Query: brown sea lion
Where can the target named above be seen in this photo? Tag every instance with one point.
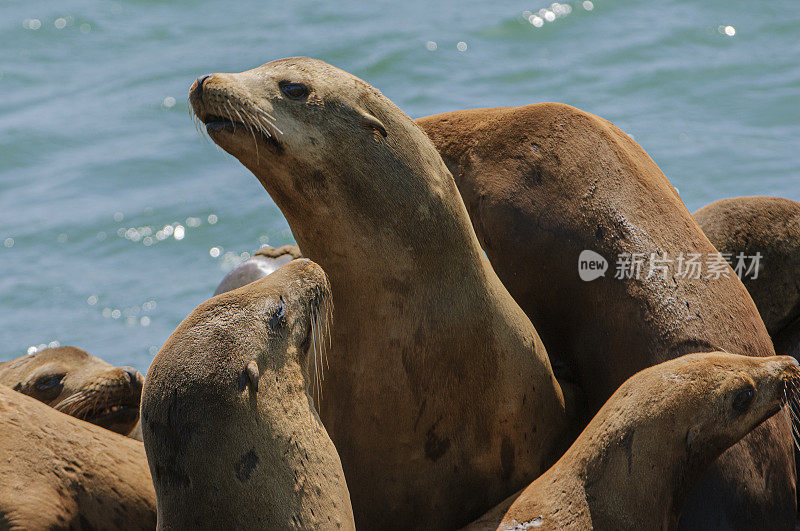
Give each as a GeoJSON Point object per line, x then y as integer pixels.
{"type": "Point", "coordinates": [636, 461]}
{"type": "Point", "coordinates": [767, 227]}
{"type": "Point", "coordinates": [545, 182]}
{"type": "Point", "coordinates": [439, 397]}
{"type": "Point", "coordinates": [76, 383]}
{"type": "Point", "coordinates": [231, 433]}
{"type": "Point", "coordinates": [262, 263]}
{"type": "Point", "coordinates": [58, 472]}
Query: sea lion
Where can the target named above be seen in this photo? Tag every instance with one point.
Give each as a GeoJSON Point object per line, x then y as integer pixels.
{"type": "Point", "coordinates": [543, 183]}
{"type": "Point", "coordinates": [76, 383]}
{"type": "Point", "coordinates": [639, 457]}
{"type": "Point", "coordinates": [59, 472]}
{"type": "Point", "coordinates": [262, 263]}
{"type": "Point", "coordinates": [231, 433]}
{"type": "Point", "coordinates": [767, 227]}
{"type": "Point", "coordinates": [439, 397]}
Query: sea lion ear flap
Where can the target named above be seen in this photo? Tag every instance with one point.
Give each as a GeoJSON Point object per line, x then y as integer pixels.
{"type": "Point", "coordinates": [253, 375]}
{"type": "Point", "coordinates": [371, 121]}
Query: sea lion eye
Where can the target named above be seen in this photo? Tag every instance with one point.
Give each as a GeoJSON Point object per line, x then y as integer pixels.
{"type": "Point", "coordinates": [743, 399]}
{"type": "Point", "coordinates": [47, 387]}
{"type": "Point", "coordinates": [45, 383]}
{"type": "Point", "coordinates": [277, 320]}
{"type": "Point", "coordinates": [294, 91]}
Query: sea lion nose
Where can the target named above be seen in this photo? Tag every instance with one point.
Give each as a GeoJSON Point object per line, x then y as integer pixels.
{"type": "Point", "coordinates": [199, 84]}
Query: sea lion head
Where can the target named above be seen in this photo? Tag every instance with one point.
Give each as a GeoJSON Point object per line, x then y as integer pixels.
{"type": "Point", "coordinates": [696, 406]}
{"type": "Point", "coordinates": [642, 454]}
{"type": "Point", "coordinates": [276, 321]}
{"type": "Point", "coordinates": [322, 142]}
{"type": "Point", "coordinates": [76, 383]}
{"type": "Point", "coordinates": [227, 407]}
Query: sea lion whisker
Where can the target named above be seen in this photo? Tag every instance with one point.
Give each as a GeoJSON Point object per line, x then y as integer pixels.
{"type": "Point", "coordinates": [228, 112]}
{"type": "Point", "coordinates": [70, 400]}
{"type": "Point", "coordinates": [263, 125]}
{"type": "Point", "coordinates": [269, 118]}
{"type": "Point", "coordinates": [265, 113]}
{"type": "Point", "coordinates": [791, 426]}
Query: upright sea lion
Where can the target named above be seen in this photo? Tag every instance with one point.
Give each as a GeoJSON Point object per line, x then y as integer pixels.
{"type": "Point", "coordinates": [231, 433]}
{"type": "Point", "coordinates": [636, 461]}
{"type": "Point", "coordinates": [440, 397]}
{"type": "Point", "coordinates": [57, 472]}
{"type": "Point", "coordinates": [761, 235]}
{"type": "Point", "coordinates": [78, 384]}
{"type": "Point", "coordinates": [262, 263]}
{"type": "Point", "coordinates": [543, 183]}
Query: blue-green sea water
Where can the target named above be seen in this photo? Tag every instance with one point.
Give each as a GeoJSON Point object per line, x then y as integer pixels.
{"type": "Point", "coordinates": [117, 218]}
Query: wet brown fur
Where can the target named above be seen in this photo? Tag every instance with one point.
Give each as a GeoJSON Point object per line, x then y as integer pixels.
{"type": "Point", "coordinates": [58, 472]}
{"type": "Point", "coordinates": [544, 182]}
{"type": "Point", "coordinates": [231, 433]}
{"type": "Point", "coordinates": [440, 397]}
{"type": "Point", "coordinates": [771, 227]}
{"type": "Point", "coordinates": [79, 384]}
{"type": "Point", "coordinates": [636, 461]}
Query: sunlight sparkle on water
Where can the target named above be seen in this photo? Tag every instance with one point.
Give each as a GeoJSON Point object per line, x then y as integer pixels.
{"type": "Point", "coordinates": [547, 14]}
{"type": "Point", "coordinates": [32, 24]}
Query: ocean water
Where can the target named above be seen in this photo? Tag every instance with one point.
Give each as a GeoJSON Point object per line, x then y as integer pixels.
{"type": "Point", "coordinates": [117, 218]}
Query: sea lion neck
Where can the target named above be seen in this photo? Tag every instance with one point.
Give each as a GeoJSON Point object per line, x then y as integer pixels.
{"type": "Point", "coordinates": [422, 223]}
{"type": "Point", "coordinates": [626, 489]}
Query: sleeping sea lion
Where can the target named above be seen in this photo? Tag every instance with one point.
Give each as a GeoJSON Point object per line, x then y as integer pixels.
{"type": "Point", "coordinates": [76, 383]}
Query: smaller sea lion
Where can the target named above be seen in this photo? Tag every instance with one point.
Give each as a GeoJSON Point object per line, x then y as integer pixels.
{"type": "Point", "coordinates": [81, 385]}
{"type": "Point", "coordinates": [636, 461]}
{"type": "Point", "coordinates": [57, 472]}
{"type": "Point", "coordinates": [229, 425]}
{"type": "Point", "coordinates": [769, 227]}
{"type": "Point", "coordinates": [262, 263]}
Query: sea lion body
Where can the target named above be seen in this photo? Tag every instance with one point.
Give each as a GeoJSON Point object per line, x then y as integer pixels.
{"type": "Point", "coordinates": [263, 262]}
{"type": "Point", "coordinates": [637, 460]}
{"type": "Point", "coordinates": [58, 472]}
{"type": "Point", "coordinates": [439, 397]}
{"type": "Point", "coordinates": [231, 433]}
{"type": "Point", "coordinates": [545, 182]}
{"type": "Point", "coordinates": [767, 227]}
{"type": "Point", "coordinates": [76, 383]}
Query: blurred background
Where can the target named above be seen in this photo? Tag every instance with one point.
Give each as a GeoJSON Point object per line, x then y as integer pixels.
{"type": "Point", "coordinates": [117, 218]}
